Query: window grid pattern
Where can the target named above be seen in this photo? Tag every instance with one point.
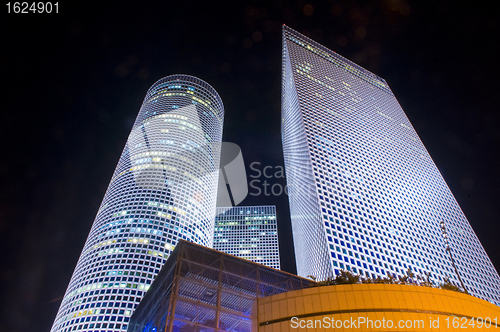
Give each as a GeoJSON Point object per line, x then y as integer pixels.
{"type": "Point", "coordinates": [381, 196]}
{"type": "Point", "coordinates": [311, 249]}
{"type": "Point", "coordinates": [164, 189]}
{"type": "Point", "coordinates": [249, 232]}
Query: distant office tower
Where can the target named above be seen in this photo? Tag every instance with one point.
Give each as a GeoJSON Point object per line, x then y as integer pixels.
{"type": "Point", "coordinates": [164, 189]}
{"type": "Point", "coordinates": [364, 193]}
{"type": "Point", "coordinates": [249, 232]}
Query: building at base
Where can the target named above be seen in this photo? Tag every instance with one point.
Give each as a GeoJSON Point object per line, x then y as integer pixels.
{"type": "Point", "coordinates": [204, 289]}
{"type": "Point", "coordinates": [201, 289]}
{"type": "Point", "coordinates": [373, 307]}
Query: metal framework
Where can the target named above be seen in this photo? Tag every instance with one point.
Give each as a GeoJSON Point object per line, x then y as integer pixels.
{"type": "Point", "coordinates": [201, 288]}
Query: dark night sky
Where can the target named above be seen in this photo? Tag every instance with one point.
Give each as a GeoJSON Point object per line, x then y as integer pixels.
{"type": "Point", "coordinates": [73, 82]}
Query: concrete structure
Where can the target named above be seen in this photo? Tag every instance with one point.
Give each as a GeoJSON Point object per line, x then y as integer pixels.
{"type": "Point", "coordinates": [201, 289]}
{"type": "Point", "coordinates": [374, 307]}
{"type": "Point", "coordinates": [364, 193]}
{"type": "Point", "coordinates": [249, 232]}
{"type": "Point", "coordinates": [164, 189]}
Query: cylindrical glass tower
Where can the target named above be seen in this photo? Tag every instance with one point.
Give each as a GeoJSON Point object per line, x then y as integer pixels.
{"type": "Point", "coordinates": [164, 189]}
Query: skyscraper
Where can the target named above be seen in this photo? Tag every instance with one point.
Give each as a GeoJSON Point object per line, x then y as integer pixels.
{"type": "Point", "coordinates": [364, 193]}
{"type": "Point", "coordinates": [164, 189]}
{"type": "Point", "coordinates": [249, 232]}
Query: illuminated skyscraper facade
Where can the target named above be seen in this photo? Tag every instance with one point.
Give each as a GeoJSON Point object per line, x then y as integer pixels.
{"type": "Point", "coordinates": [364, 193]}
{"type": "Point", "coordinates": [164, 189]}
{"type": "Point", "coordinates": [249, 232]}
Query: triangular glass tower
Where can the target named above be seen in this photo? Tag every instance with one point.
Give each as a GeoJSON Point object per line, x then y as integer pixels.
{"type": "Point", "coordinates": [364, 193]}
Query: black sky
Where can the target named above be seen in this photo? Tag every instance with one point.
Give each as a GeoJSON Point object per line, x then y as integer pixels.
{"type": "Point", "coordinates": [73, 82]}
